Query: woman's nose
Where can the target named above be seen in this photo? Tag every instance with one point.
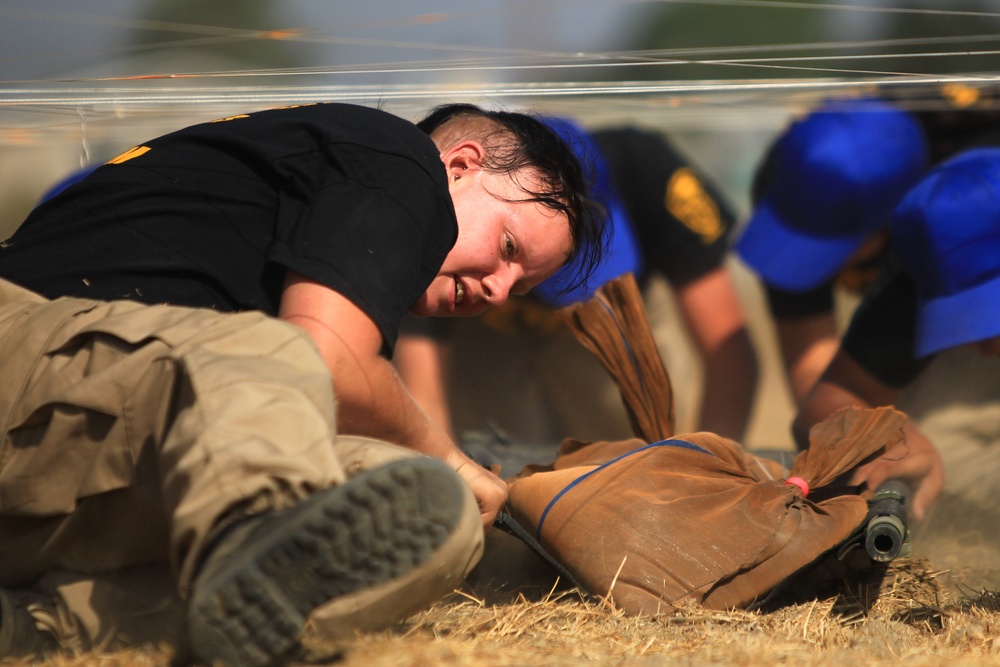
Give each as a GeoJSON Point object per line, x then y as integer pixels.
{"type": "Point", "coordinates": [496, 289]}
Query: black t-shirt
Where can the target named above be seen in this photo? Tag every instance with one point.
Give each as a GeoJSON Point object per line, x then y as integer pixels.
{"type": "Point", "coordinates": [882, 333]}
{"type": "Point", "coordinates": [682, 221]}
{"type": "Point", "coordinates": [795, 305]}
{"type": "Point", "coordinates": [215, 214]}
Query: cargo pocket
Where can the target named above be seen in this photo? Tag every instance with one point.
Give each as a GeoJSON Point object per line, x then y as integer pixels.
{"type": "Point", "coordinates": [64, 437]}
{"type": "Point", "coordinates": [61, 454]}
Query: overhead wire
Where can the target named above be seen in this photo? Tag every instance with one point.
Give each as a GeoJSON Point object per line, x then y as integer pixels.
{"type": "Point", "coordinates": [478, 71]}
{"type": "Point", "coordinates": [414, 71]}
{"type": "Point", "coordinates": [216, 34]}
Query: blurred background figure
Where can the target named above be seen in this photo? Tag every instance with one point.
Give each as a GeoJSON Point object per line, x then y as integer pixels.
{"type": "Point", "coordinates": [940, 290]}
{"type": "Point", "coordinates": [823, 197]}
{"type": "Point", "coordinates": [522, 370]}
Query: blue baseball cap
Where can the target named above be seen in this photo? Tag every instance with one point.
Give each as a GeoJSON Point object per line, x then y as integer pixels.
{"type": "Point", "coordinates": [834, 179]}
{"type": "Point", "coordinates": [947, 234]}
{"type": "Point", "coordinates": [622, 254]}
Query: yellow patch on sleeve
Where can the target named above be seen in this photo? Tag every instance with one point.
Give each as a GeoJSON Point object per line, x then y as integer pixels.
{"type": "Point", "coordinates": [229, 118]}
{"type": "Point", "coordinates": [960, 95]}
{"type": "Point", "coordinates": [129, 154]}
{"type": "Point", "coordinates": [298, 106]}
{"type": "Point", "coordinates": [687, 201]}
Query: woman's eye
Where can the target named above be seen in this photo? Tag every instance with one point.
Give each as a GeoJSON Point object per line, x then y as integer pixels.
{"type": "Point", "coordinates": [510, 248]}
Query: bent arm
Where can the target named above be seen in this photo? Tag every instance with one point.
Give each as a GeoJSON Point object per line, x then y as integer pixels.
{"type": "Point", "coordinates": [423, 364]}
{"type": "Point", "coordinates": [807, 346]}
{"type": "Point", "coordinates": [714, 316]}
{"type": "Point", "coordinates": [846, 383]}
{"type": "Point", "coordinates": [371, 399]}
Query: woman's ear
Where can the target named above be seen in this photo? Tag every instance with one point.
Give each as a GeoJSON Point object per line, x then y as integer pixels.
{"type": "Point", "coordinates": [463, 158]}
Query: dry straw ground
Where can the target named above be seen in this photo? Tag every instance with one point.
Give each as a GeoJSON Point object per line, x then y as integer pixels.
{"type": "Point", "coordinates": [942, 609]}
{"type": "Point", "coordinates": [910, 618]}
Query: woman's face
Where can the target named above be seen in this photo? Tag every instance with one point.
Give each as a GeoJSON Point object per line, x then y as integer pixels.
{"type": "Point", "coordinates": [505, 245]}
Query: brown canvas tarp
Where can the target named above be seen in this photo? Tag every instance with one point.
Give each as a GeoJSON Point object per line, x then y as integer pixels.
{"type": "Point", "coordinates": [695, 517]}
{"type": "Point", "coordinates": [659, 519]}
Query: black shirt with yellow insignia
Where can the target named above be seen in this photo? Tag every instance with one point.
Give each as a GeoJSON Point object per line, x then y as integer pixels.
{"type": "Point", "coordinates": [682, 221]}
{"type": "Point", "coordinates": [215, 214]}
{"type": "Point", "coordinates": [881, 337]}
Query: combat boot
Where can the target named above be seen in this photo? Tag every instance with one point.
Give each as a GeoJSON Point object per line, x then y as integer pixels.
{"type": "Point", "coordinates": [23, 632]}
{"type": "Point", "coordinates": [362, 555]}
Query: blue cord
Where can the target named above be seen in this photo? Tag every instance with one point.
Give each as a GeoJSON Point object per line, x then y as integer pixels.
{"type": "Point", "coordinates": [671, 442]}
{"type": "Point", "coordinates": [628, 348]}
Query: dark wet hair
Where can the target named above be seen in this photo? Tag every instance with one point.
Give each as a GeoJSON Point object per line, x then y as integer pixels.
{"type": "Point", "coordinates": [565, 185]}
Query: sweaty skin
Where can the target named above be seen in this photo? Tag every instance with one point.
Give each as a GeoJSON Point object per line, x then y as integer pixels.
{"type": "Point", "coordinates": [713, 314]}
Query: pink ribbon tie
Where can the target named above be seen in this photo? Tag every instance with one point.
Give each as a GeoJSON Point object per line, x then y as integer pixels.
{"type": "Point", "coordinates": [801, 483]}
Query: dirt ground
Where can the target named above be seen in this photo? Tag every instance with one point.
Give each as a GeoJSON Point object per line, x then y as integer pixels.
{"type": "Point", "coordinates": [907, 617]}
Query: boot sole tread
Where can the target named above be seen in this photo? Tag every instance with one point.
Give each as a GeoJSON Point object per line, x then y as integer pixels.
{"type": "Point", "coordinates": [380, 525]}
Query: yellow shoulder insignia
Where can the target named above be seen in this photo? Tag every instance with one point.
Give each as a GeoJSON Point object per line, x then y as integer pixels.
{"type": "Point", "coordinates": [960, 95]}
{"type": "Point", "coordinates": [687, 201]}
{"type": "Point", "coordinates": [297, 106]}
{"type": "Point", "coordinates": [228, 118]}
{"type": "Point", "coordinates": [129, 154]}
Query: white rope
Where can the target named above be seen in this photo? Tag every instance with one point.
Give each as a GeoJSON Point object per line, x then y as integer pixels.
{"type": "Point", "coordinates": [97, 96]}
{"type": "Point", "coordinates": [540, 59]}
{"type": "Point", "coordinates": [39, 104]}
{"type": "Point", "coordinates": [588, 60]}
{"type": "Point", "coordinates": [818, 6]}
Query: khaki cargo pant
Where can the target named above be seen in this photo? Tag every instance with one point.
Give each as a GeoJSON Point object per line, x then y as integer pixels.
{"type": "Point", "coordinates": [128, 430]}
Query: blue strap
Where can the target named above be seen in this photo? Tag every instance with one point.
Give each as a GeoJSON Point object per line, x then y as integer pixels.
{"type": "Point", "coordinates": [636, 367]}
{"type": "Point", "coordinates": [671, 442]}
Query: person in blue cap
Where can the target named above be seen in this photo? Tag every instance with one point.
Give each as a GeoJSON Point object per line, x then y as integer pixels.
{"type": "Point", "coordinates": [947, 232]}
{"type": "Point", "coordinates": [823, 198]}
{"type": "Point", "coordinates": [667, 220]}
{"type": "Point", "coordinates": [942, 291]}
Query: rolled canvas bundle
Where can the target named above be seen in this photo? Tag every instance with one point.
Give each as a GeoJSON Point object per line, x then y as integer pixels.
{"type": "Point", "coordinates": [666, 518]}
{"type": "Point", "coordinates": [694, 517]}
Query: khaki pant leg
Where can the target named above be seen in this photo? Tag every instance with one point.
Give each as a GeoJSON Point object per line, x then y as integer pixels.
{"type": "Point", "coordinates": [254, 420]}
{"type": "Point", "coordinates": [143, 600]}
{"type": "Point", "coordinates": [130, 429]}
{"type": "Point", "coordinates": [358, 453]}
{"type": "Point", "coordinates": [111, 611]}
